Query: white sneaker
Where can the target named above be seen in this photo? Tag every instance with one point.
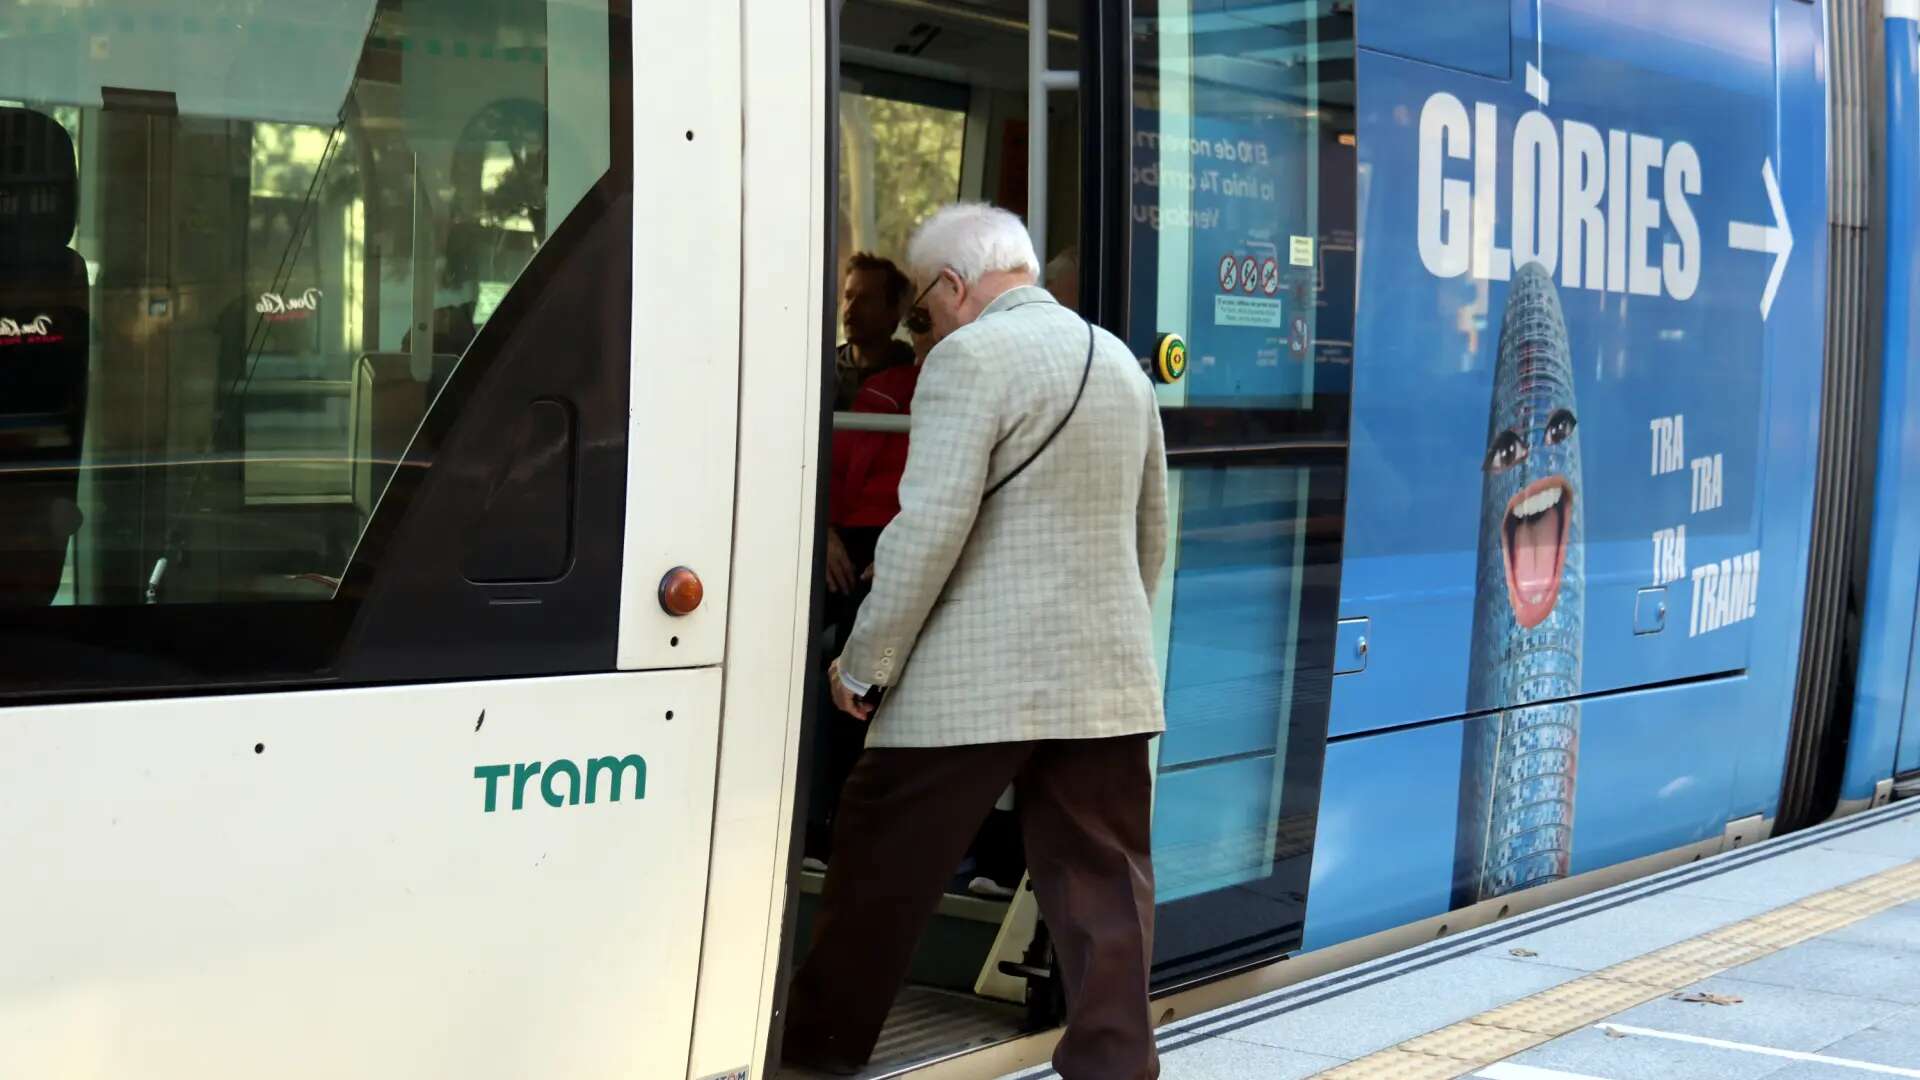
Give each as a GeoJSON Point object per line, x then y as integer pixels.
{"type": "Point", "coordinates": [814, 865]}
{"type": "Point", "coordinates": [989, 888]}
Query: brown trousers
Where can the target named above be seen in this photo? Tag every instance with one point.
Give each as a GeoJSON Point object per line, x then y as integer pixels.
{"type": "Point", "coordinates": [906, 817]}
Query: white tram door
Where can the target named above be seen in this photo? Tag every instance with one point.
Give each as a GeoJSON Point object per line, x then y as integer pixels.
{"type": "Point", "coordinates": [368, 391]}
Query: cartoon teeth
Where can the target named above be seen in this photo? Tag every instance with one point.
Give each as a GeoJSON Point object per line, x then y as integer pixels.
{"type": "Point", "coordinates": [1538, 503]}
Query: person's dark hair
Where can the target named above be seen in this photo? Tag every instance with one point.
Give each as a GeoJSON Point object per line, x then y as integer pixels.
{"type": "Point", "coordinates": [897, 283]}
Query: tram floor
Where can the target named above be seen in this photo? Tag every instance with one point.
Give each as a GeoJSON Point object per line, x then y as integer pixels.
{"type": "Point", "coordinates": [934, 1016]}
{"type": "Point", "coordinates": [1795, 959]}
{"type": "Point", "coordinates": [926, 1023]}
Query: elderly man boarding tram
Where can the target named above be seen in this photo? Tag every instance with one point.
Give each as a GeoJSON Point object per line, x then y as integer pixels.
{"type": "Point", "coordinates": [1008, 630]}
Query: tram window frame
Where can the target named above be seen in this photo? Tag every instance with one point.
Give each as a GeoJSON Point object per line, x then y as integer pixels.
{"type": "Point", "coordinates": [915, 89]}
{"type": "Point", "coordinates": [400, 610]}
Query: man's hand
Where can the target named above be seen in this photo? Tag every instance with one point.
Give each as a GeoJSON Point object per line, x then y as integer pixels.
{"type": "Point", "coordinates": [840, 572]}
{"type": "Point", "coordinates": [843, 695]}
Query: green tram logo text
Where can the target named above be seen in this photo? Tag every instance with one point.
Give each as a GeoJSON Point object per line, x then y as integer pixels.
{"type": "Point", "coordinates": [615, 769]}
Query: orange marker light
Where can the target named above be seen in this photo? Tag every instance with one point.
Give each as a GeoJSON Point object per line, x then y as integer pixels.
{"type": "Point", "coordinates": [681, 591]}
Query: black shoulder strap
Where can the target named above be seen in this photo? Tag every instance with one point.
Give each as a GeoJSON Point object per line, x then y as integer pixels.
{"type": "Point", "coordinates": [1048, 441]}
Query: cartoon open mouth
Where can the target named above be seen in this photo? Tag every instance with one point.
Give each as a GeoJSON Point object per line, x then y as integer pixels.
{"type": "Point", "coordinates": [1533, 539]}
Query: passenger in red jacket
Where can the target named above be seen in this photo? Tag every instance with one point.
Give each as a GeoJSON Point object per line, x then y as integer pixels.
{"type": "Point", "coordinates": [867, 466]}
{"type": "Point", "coordinates": [862, 497]}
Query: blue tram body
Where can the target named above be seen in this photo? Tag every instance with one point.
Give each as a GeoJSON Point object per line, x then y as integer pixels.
{"type": "Point", "coordinates": [1664, 176]}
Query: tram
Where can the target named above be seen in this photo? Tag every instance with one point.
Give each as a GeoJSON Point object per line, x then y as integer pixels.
{"type": "Point", "coordinates": [415, 430]}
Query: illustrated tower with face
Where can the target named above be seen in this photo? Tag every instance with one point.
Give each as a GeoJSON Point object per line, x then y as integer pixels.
{"type": "Point", "coordinates": [1521, 753]}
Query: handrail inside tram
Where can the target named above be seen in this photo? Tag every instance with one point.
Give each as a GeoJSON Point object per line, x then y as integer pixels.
{"type": "Point", "coordinates": [867, 421]}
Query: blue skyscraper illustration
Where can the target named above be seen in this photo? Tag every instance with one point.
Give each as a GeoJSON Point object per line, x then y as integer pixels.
{"type": "Point", "coordinates": [1521, 749]}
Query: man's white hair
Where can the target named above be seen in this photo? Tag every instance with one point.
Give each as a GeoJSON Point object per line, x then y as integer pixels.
{"type": "Point", "coordinates": [973, 240]}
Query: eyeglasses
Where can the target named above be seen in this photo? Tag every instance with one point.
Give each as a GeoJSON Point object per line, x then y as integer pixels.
{"type": "Point", "coordinates": [919, 319]}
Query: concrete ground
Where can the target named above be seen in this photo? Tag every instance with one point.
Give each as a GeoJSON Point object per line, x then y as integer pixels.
{"type": "Point", "coordinates": [1797, 959]}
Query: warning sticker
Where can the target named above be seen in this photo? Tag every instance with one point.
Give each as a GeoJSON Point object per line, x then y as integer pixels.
{"type": "Point", "coordinates": [1247, 311]}
{"type": "Point", "coordinates": [1301, 251]}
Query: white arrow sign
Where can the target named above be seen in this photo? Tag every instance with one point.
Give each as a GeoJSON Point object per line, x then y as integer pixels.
{"type": "Point", "coordinates": [1776, 238]}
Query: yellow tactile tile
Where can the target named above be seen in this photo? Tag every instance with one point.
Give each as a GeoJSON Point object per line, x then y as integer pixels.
{"type": "Point", "coordinates": [1708, 953]}
{"type": "Point", "coordinates": [1399, 1064]}
{"type": "Point", "coordinates": [1781, 927]}
{"type": "Point", "coordinates": [1846, 902]}
{"type": "Point", "coordinates": [1902, 882]}
{"type": "Point", "coordinates": [1474, 1043]}
{"type": "Point", "coordinates": [1582, 1001]}
{"type": "Point", "coordinates": [1658, 971]}
{"type": "Point", "coordinates": [1466, 1047]}
{"type": "Point", "coordinates": [1877, 890]}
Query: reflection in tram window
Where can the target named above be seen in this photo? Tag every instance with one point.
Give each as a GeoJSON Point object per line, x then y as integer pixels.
{"type": "Point", "coordinates": [1244, 216]}
{"type": "Point", "coordinates": [933, 107]}
{"type": "Point", "coordinates": [291, 229]}
{"type": "Point", "coordinates": [1243, 241]}
{"type": "Point", "coordinates": [1234, 638]}
{"type": "Point", "coordinates": [899, 161]}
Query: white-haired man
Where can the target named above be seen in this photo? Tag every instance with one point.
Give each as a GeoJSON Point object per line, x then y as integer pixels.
{"type": "Point", "coordinates": [1009, 629]}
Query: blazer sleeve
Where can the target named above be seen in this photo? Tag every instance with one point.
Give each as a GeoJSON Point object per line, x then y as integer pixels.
{"type": "Point", "coordinates": [1151, 517]}
{"type": "Point", "coordinates": [957, 417]}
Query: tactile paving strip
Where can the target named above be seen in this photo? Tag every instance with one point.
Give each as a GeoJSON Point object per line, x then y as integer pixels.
{"type": "Point", "coordinates": [1395, 1064]}
{"type": "Point", "coordinates": [1471, 1045]}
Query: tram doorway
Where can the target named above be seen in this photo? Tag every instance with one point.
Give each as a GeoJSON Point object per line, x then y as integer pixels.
{"type": "Point", "coordinates": [932, 108]}
{"type": "Point", "coordinates": [1175, 139]}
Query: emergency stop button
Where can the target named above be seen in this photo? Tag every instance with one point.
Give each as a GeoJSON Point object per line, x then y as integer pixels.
{"type": "Point", "coordinates": [681, 591]}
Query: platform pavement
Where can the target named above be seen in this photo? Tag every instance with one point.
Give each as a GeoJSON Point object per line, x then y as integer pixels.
{"type": "Point", "coordinates": [1796, 959]}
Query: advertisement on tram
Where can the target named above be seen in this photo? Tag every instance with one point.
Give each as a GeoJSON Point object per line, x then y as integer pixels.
{"type": "Point", "coordinates": [1557, 414]}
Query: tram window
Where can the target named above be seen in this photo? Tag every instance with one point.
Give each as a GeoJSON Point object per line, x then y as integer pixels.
{"type": "Point", "coordinates": [901, 147]}
{"type": "Point", "coordinates": [287, 232]}
{"type": "Point", "coordinates": [933, 108]}
{"type": "Point", "coordinates": [1245, 232]}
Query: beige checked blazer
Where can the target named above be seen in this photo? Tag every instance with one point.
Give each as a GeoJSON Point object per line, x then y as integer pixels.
{"type": "Point", "coordinates": [1026, 617]}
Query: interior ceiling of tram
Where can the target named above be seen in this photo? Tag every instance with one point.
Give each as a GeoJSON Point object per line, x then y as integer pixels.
{"type": "Point", "coordinates": [984, 41]}
{"type": "Point", "coordinates": [1236, 44]}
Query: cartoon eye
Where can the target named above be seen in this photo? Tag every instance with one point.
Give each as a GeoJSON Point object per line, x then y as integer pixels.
{"type": "Point", "coordinates": [1508, 449]}
{"type": "Point", "coordinates": [1560, 427]}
